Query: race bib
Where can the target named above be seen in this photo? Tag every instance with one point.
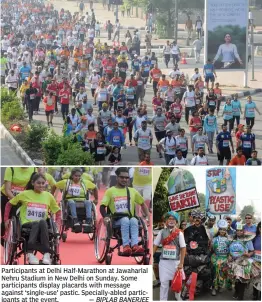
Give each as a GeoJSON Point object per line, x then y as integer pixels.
{"type": "Point", "coordinates": [257, 256]}
{"type": "Point", "coordinates": [140, 83]}
{"type": "Point", "coordinates": [36, 211]}
{"type": "Point", "coordinates": [247, 144]}
{"type": "Point", "coordinates": [183, 146]}
{"type": "Point", "coordinates": [212, 103]}
{"type": "Point", "coordinates": [144, 171]}
{"type": "Point", "coordinates": [250, 110]}
{"type": "Point", "coordinates": [225, 143]}
{"type": "Point", "coordinates": [116, 139]}
{"type": "Point", "coordinates": [74, 190]}
{"type": "Point", "coordinates": [120, 104]}
{"type": "Point", "coordinates": [16, 189]}
{"type": "Point", "coordinates": [177, 110]}
{"type": "Point", "coordinates": [210, 122]}
{"type": "Point", "coordinates": [49, 102]}
{"type": "Point", "coordinates": [101, 150]}
{"type": "Point", "coordinates": [121, 205]}
{"type": "Point", "coordinates": [32, 96]}
{"type": "Point", "coordinates": [169, 252]}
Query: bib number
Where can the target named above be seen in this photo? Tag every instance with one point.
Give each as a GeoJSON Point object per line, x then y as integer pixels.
{"type": "Point", "coordinates": [169, 252]}
{"type": "Point", "coordinates": [121, 205]}
{"type": "Point", "coordinates": [225, 143]}
{"type": "Point", "coordinates": [16, 189]}
{"type": "Point", "coordinates": [74, 190]}
{"type": "Point", "coordinates": [144, 171]}
{"type": "Point", "coordinates": [101, 150]}
{"type": "Point", "coordinates": [35, 211]}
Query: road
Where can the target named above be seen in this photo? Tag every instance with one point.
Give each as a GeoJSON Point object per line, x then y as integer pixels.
{"type": "Point", "coordinates": [8, 155]}
{"type": "Point", "coordinates": [79, 249]}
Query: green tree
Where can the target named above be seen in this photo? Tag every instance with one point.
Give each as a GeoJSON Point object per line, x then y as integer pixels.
{"type": "Point", "coordinates": [247, 210]}
{"type": "Point", "coordinates": [160, 201]}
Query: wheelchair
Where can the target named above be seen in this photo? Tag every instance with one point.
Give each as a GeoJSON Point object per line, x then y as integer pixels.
{"type": "Point", "coordinates": [105, 233]}
{"type": "Point", "coordinates": [17, 236]}
{"type": "Point", "coordinates": [67, 220]}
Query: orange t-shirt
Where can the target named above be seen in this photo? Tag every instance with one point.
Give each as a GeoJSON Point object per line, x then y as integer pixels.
{"type": "Point", "coordinates": [175, 83]}
{"type": "Point", "coordinates": [155, 74]}
{"type": "Point", "coordinates": [144, 163]}
{"type": "Point", "coordinates": [238, 161]}
{"type": "Point", "coordinates": [90, 135]}
{"type": "Point", "coordinates": [49, 107]}
{"type": "Point", "coordinates": [163, 83]}
{"type": "Point", "coordinates": [218, 91]}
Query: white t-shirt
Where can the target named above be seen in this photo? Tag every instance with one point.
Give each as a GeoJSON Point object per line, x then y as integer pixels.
{"type": "Point", "coordinates": [178, 162]}
{"type": "Point", "coordinates": [94, 80]}
{"type": "Point", "coordinates": [189, 97]}
{"type": "Point", "coordinates": [175, 50]}
{"type": "Point", "coordinates": [199, 161]}
{"type": "Point", "coordinates": [143, 138]}
{"type": "Point", "coordinates": [169, 145]}
{"type": "Point", "coordinates": [195, 76]}
{"type": "Point", "coordinates": [158, 240]}
{"type": "Point", "coordinates": [174, 73]}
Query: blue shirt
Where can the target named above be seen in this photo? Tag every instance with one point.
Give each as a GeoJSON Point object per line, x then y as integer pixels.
{"type": "Point", "coordinates": [223, 139]}
{"type": "Point", "coordinates": [210, 123]}
{"type": "Point", "coordinates": [236, 105]}
{"type": "Point", "coordinates": [121, 101]}
{"type": "Point", "coordinates": [68, 129]}
{"type": "Point", "coordinates": [147, 65]}
{"type": "Point", "coordinates": [135, 65]}
{"type": "Point", "coordinates": [116, 92]}
{"type": "Point", "coordinates": [250, 109]}
{"type": "Point", "coordinates": [228, 112]}
{"type": "Point", "coordinates": [116, 138]}
{"type": "Point", "coordinates": [253, 162]}
{"type": "Point", "coordinates": [247, 140]}
{"type": "Point", "coordinates": [250, 229]}
{"type": "Point", "coordinates": [209, 69]}
{"type": "Point", "coordinates": [25, 72]}
{"type": "Point", "coordinates": [106, 132]}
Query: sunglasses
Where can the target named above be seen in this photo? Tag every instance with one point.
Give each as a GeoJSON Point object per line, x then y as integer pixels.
{"type": "Point", "coordinates": [124, 177]}
{"type": "Point", "coordinates": [248, 218]}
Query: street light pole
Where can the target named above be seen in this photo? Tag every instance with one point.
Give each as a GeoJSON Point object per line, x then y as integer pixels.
{"type": "Point", "coordinates": [251, 19]}
{"type": "Point", "coordinates": [176, 20]}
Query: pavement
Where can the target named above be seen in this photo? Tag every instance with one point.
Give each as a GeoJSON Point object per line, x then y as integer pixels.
{"type": "Point", "coordinates": [79, 249]}
{"type": "Point", "coordinates": [8, 156]}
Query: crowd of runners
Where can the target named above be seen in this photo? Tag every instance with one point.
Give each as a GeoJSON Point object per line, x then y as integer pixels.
{"type": "Point", "coordinates": [126, 196]}
{"type": "Point", "coordinates": [101, 89]}
{"type": "Point", "coordinates": [215, 254]}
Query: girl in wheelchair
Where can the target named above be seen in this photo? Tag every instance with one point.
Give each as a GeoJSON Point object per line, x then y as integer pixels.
{"type": "Point", "coordinates": [75, 190]}
{"type": "Point", "coordinates": [36, 203]}
{"type": "Point", "coordinates": [121, 201]}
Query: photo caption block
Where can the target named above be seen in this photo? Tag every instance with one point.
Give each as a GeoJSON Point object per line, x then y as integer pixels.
{"type": "Point", "coordinates": [86, 283]}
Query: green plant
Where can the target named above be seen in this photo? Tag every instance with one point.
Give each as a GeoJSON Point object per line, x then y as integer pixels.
{"type": "Point", "coordinates": [35, 135]}
{"type": "Point", "coordinates": [51, 148]}
{"type": "Point", "coordinates": [7, 96]}
{"type": "Point", "coordinates": [12, 111]}
{"type": "Point", "coordinates": [75, 156]}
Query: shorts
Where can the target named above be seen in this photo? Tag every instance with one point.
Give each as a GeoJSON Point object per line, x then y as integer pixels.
{"type": "Point", "coordinates": [160, 135]}
{"type": "Point", "coordinates": [225, 153]}
{"type": "Point", "coordinates": [210, 78]}
{"type": "Point", "coordinates": [47, 113]}
{"type": "Point", "coordinates": [144, 191]}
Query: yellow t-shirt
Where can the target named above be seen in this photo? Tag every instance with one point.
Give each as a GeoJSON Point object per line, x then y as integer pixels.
{"type": "Point", "coordinates": [116, 200]}
{"type": "Point", "coordinates": [85, 176]}
{"type": "Point", "coordinates": [35, 206]}
{"type": "Point", "coordinates": [19, 179]}
{"type": "Point", "coordinates": [50, 181]}
{"type": "Point", "coordinates": [142, 176]}
{"type": "Point", "coordinates": [75, 190]}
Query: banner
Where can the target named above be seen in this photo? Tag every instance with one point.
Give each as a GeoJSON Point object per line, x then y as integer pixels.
{"type": "Point", "coordinates": [183, 200]}
{"type": "Point", "coordinates": [226, 26]}
{"type": "Point", "coordinates": [221, 190]}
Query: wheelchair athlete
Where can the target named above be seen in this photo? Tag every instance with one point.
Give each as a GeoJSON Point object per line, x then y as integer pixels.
{"type": "Point", "coordinates": [75, 190]}
{"type": "Point", "coordinates": [15, 181]}
{"type": "Point", "coordinates": [121, 201]}
{"type": "Point", "coordinates": [35, 205]}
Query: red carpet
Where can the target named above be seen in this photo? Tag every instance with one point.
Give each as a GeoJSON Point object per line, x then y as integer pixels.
{"type": "Point", "coordinates": [79, 249]}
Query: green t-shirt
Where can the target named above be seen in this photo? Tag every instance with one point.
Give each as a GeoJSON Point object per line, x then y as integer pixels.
{"type": "Point", "coordinates": [116, 200]}
{"type": "Point", "coordinates": [76, 190]}
{"type": "Point", "coordinates": [35, 206]}
{"type": "Point", "coordinates": [18, 179]}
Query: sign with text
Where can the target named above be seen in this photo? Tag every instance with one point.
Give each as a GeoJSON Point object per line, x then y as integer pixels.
{"type": "Point", "coordinates": [226, 34]}
{"type": "Point", "coordinates": [221, 190]}
{"type": "Point", "coordinates": [184, 200]}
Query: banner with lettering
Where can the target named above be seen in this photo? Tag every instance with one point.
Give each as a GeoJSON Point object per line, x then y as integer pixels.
{"type": "Point", "coordinates": [184, 200]}
{"type": "Point", "coordinates": [221, 190]}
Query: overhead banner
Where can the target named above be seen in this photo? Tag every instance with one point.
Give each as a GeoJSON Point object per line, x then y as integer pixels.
{"type": "Point", "coordinates": [221, 190]}
{"type": "Point", "coordinates": [184, 200]}
{"type": "Point", "coordinates": [226, 33]}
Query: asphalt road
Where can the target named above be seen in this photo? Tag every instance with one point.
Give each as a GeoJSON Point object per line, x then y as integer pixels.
{"type": "Point", "coordinates": [8, 155]}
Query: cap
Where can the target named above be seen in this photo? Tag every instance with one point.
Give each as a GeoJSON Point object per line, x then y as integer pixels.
{"type": "Point", "coordinates": [222, 224]}
{"type": "Point", "coordinates": [168, 131]}
{"type": "Point", "coordinates": [135, 55]}
{"type": "Point", "coordinates": [94, 70]}
{"type": "Point", "coordinates": [104, 105]}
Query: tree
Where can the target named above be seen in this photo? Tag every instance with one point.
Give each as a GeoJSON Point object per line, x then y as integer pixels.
{"type": "Point", "coordinates": [247, 210]}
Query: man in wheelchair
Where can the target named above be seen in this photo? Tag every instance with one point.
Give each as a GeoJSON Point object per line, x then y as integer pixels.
{"type": "Point", "coordinates": [120, 202]}
{"type": "Point", "coordinates": [36, 203]}
{"type": "Point", "coordinates": [75, 190]}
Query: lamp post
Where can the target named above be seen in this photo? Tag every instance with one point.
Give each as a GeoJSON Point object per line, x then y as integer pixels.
{"type": "Point", "coordinates": [176, 20]}
{"type": "Point", "coordinates": [251, 21]}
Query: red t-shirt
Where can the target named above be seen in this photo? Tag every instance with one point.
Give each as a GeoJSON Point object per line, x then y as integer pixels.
{"type": "Point", "coordinates": [133, 82]}
{"type": "Point", "coordinates": [64, 94]}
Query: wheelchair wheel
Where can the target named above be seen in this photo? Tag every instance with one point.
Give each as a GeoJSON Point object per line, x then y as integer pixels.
{"type": "Point", "coordinates": [143, 233]}
{"type": "Point", "coordinates": [108, 259]}
{"type": "Point", "coordinates": [10, 244]}
{"type": "Point", "coordinates": [92, 235]}
{"type": "Point", "coordinates": [62, 229]}
{"type": "Point", "coordinates": [102, 241]}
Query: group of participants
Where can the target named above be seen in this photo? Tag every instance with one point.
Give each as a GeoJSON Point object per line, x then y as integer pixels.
{"type": "Point", "coordinates": [36, 191]}
{"type": "Point", "coordinates": [225, 254]}
{"type": "Point", "coordinates": [54, 57]}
